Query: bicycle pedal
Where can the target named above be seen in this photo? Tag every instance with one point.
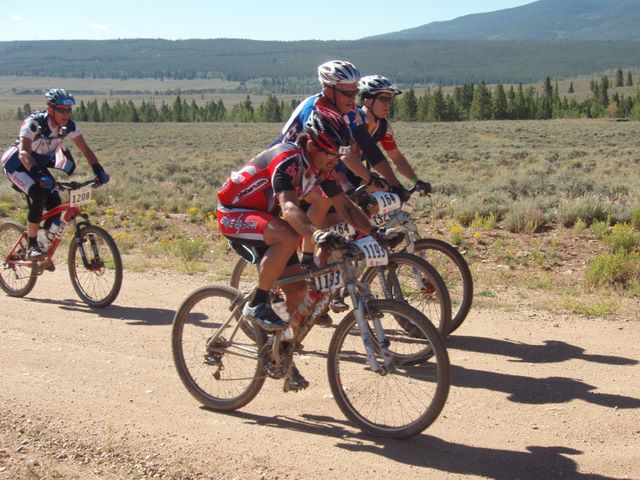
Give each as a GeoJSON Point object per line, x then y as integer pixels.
{"type": "Point", "coordinates": [50, 267]}
{"type": "Point", "coordinates": [339, 308]}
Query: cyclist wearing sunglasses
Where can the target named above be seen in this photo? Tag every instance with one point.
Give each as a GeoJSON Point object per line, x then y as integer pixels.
{"type": "Point", "coordinates": [339, 91]}
{"type": "Point", "coordinates": [259, 210]}
{"type": "Point", "coordinates": [38, 147]}
{"type": "Point", "coordinates": [377, 94]}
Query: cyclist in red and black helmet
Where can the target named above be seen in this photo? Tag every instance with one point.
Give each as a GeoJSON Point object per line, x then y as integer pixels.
{"type": "Point", "coordinates": [38, 147]}
{"type": "Point", "coordinates": [259, 210]}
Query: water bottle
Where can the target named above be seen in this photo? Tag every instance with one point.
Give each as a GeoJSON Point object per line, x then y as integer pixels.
{"type": "Point", "coordinates": [43, 240]}
{"type": "Point", "coordinates": [51, 233]}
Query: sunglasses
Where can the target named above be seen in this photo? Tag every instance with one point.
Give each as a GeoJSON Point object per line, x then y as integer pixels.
{"type": "Point", "coordinates": [348, 93]}
{"type": "Point", "coordinates": [384, 99]}
{"type": "Point", "coordinates": [326, 152]}
{"type": "Point", "coordinates": [64, 111]}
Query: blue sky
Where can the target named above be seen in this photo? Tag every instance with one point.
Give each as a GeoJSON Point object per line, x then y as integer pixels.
{"type": "Point", "coordinates": [253, 19]}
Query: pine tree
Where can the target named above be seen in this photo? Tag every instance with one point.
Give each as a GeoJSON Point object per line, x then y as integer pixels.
{"type": "Point", "coordinates": [409, 107]}
{"type": "Point", "coordinates": [629, 79]}
{"type": "Point", "coordinates": [481, 106]}
{"type": "Point", "coordinates": [437, 107]}
{"type": "Point", "coordinates": [571, 90]}
{"type": "Point", "coordinates": [619, 78]}
{"type": "Point", "coordinates": [500, 107]}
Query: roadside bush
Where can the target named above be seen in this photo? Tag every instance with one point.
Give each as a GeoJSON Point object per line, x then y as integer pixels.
{"type": "Point", "coordinates": [635, 218]}
{"type": "Point", "coordinates": [589, 208]}
{"type": "Point", "coordinates": [524, 216]}
{"type": "Point", "coordinates": [619, 270]}
{"type": "Point", "coordinates": [600, 228]}
{"type": "Point", "coordinates": [623, 238]}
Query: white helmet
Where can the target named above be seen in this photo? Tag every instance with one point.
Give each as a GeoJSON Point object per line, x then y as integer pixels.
{"type": "Point", "coordinates": [336, 72]}
{"type": "Point", "coordinates": [372, 85]}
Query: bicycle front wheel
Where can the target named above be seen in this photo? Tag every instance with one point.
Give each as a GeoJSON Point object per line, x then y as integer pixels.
{"type": "Point", "coordinates": [394, 404]}
{"type": "Point", "coordinates": [218, 363]}
{"type": "Point", "coordinates": [95, 266]}
{"type": "Point", "coordinates": [409, 278]}
{"type": "Point", "coordinates": [16, 277]}
{"type": "Point", "coordinates": [453, 268]}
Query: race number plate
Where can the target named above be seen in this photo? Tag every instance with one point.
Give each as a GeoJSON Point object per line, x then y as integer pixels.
{"type": "Point", "coordinates": [387, 201]}
{"type": "Point", "coordinates": [329, 281]}
{"type": "Point", "coordinates": [380, 220]}
{"type": "Point", "coordinates": [80, 196]}
{"type": "Point", "coordinates": [343, 229]}
{"type": "Point", "coordinates": [374, 254]}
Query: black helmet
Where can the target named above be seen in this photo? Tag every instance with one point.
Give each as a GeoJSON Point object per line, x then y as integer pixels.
{"type": "Point", "coordinates": [328, 130]}
{"type": "Point", "coordinates": [59, 96]}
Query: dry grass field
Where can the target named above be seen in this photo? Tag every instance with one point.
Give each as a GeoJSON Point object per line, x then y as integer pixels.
{"type": "Point", "coordinates": [523, 197]}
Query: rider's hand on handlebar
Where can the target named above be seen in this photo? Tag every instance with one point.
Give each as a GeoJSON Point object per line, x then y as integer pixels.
{"type": "Point", "coordinates": [102, 177]}
{"type": "Point", "coordinates": [423, 188]}
{"type": "Point", "coordinates": [328, 240]}
{"type": "Point", "coordinates": [402, 192]}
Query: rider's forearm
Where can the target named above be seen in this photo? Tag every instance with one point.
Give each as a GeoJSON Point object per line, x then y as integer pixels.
{"type": "Point", "coordinates": [357, 167]}
{"type": "Point", "coordinates": [353, 215]}
{"type": "Point", "coordinates": [384, 168]}
{"type": "Point", "coordinates": [404, 167]}
{"type": "Point", "coordinates": [298, 219]}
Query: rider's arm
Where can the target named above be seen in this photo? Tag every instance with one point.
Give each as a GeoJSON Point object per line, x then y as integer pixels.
{"type": "Point", "coordinates": [402, 164]}
{"type": "Point", "coordinates": [373, 154]}
{"type": "Point", "coordinates": [86, 150]}
{"type": "Point", "coordinates": [294, 215]}
{"type": "Point", "coordinates": [354, 164]}
{"type": "Point", "coordinates": [25, 153]}
{"type": "Point", "coordinates": [351, 213]}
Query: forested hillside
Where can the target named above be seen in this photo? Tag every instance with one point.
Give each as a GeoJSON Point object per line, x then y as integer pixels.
{"type": "Point", "coordinates": [541, 20]}
{"type": "Point", "coordinates": [285, 67]}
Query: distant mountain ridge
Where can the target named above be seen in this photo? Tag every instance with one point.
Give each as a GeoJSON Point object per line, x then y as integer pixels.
{"type": "Point", "coordinates": [593, 20]}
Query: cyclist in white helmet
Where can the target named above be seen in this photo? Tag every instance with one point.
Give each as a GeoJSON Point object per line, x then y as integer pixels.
{"type": "Point", "coordinates": [377, 94]}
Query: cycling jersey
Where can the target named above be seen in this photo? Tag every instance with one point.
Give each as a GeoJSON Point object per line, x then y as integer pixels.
{"type": "Point", "coordinates": [278, 169]}
{"type": "Point", "coordinates": [45, 141]}
{"type": "Point", "coordinates": [248, 200]}
{"type": "Point", "coordinates": [356, 124]}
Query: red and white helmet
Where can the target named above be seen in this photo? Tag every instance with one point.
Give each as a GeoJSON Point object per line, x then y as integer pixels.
{"type": "Point", "coordinates": [336, 72]}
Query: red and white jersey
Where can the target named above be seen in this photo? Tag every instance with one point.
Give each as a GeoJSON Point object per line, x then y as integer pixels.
{"type": "Point", "coordinates": [278, 169]}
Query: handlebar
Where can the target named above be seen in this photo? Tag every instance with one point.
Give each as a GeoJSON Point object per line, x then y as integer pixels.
{"type": "Point", "coordinates": [73, 185]}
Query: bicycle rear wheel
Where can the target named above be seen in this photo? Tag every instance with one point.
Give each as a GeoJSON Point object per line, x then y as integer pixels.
{"type": "Point", "coordinates": [220, 367]}
{"type": "Point", "coordinates": [244, 275]}
{"type": "Point", "coordinates": [411, 279]}
{"type": "Point", "coordinates": [95, 266]}
{"type": "Point", "coordinates": [453, 268]}
{"type": "Point", "coordinates": [400, 403]}
{"type": "Point", "coordinates": [16, 280]}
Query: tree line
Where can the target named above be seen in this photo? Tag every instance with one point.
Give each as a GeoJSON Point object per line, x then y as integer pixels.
{"type": "Point", "coordinates": [466, 102]}
{"type": "Point", "coordinates": [479, 102]}
{"type": "Point", "coordinates": [279, 67]}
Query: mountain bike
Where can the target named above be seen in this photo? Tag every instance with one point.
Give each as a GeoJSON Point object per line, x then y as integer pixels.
{"type": "Point", "coordinates": [388, 383]}
{"type": "Point", "coordinates": [447, 260]}
{"type": "Point", "coordinates": [405, 277]}
{"type": "Point", "coordinates": [94, 262]}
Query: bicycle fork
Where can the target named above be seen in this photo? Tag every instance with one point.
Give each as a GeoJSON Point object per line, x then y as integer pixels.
{"type": "Point", "coordinates": [380, 343]}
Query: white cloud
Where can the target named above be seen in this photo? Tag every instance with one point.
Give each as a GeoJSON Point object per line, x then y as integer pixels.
{"type": "Point", "coordinates": [18, 18]}
{"type": "Point", "coordinates": [98, 26]}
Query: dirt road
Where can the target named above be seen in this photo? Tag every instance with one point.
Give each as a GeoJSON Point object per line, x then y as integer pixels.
{"type": "Point", "coordinates": [94, 394]}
